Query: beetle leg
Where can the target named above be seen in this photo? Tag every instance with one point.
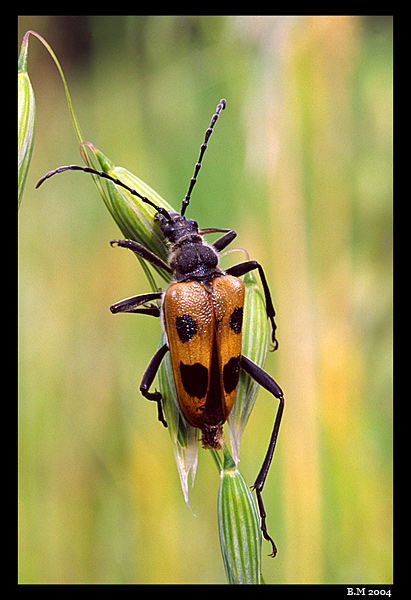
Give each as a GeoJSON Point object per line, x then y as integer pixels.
{"type": "Point", "coordinates": [264, 379]}
{"type": "Point", "coordinates": [224, 240]}
{"type": "Point", "coordinates": [246, 267]}
{"type": "Point", "coordinates": [148, 379]}
{"type": "Point", "coordinates": [131, 305]}
{"type": "Point", "coordinates": [143, 252]}
{"type": "Point", "coordinates": [152, 310]}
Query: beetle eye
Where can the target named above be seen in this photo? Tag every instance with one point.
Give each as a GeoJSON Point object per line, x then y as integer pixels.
{"type": "Point", "coordinates": [192, 223]}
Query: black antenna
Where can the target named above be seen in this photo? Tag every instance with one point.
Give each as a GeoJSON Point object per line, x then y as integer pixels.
{"type": "Point", "coordinates": [159, 209]}
{"type": "Point", "coordinates": [186, 201]}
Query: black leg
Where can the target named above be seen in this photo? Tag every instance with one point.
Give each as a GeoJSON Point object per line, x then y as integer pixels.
{"type": "Point", "coordinates": [246, 267]}
{"type": "Point", "coordinates": [130, 305]}
{"type": "Point", "coordinates": [148, 379]}
{"type": "Point", "coordinates": [143, 252]}
{"type": "Point", "coordinates": [261, 377]}
{"type": "Point", "coordinates": [224, 240]}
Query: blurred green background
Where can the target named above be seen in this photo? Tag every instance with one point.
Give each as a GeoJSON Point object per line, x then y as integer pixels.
{"type": "Point", "coordinates": [300, 165]}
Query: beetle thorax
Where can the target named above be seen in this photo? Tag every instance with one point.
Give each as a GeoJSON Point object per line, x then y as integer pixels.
{"type": "Point", "coordinates": [193, 258]}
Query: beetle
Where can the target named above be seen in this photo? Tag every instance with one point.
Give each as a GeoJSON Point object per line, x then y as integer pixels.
{"type": "Point", "coordinates": [202, 315]}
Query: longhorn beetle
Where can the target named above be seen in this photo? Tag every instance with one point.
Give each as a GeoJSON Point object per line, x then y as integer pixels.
{"type": "Point", "coordinates": [201, 313]}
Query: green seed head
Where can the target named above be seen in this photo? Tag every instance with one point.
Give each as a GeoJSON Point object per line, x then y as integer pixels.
{"type": "Point", "coordinates": [26, 119]}
{"type": "Point", "coordinates": [255, 346]}
{"type": "Point", "coordinates": [238, 524]}
{"type": "Point", "coordinates": [135, 218]}
{"type": "Point", "coordinates": [183, 436]}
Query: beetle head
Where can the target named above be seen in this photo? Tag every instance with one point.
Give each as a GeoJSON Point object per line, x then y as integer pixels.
{"type": "Point", "coordinates": [176, 226]}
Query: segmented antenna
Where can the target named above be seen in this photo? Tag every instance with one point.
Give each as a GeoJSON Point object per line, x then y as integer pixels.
{"type": "Point", "coordinates": [186, 201]}
{"type": "Point", "coordinates": [159, 209]}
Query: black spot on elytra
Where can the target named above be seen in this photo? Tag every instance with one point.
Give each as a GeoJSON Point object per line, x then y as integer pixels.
{"type": "Point", "coordinates": [236, 319]}
{"type": "Point", "coordinates": [231, 373]}
{"type": "Point", "coordinates": [186, 327]}
{"type": "Point", "coordinates": [195, 379]}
